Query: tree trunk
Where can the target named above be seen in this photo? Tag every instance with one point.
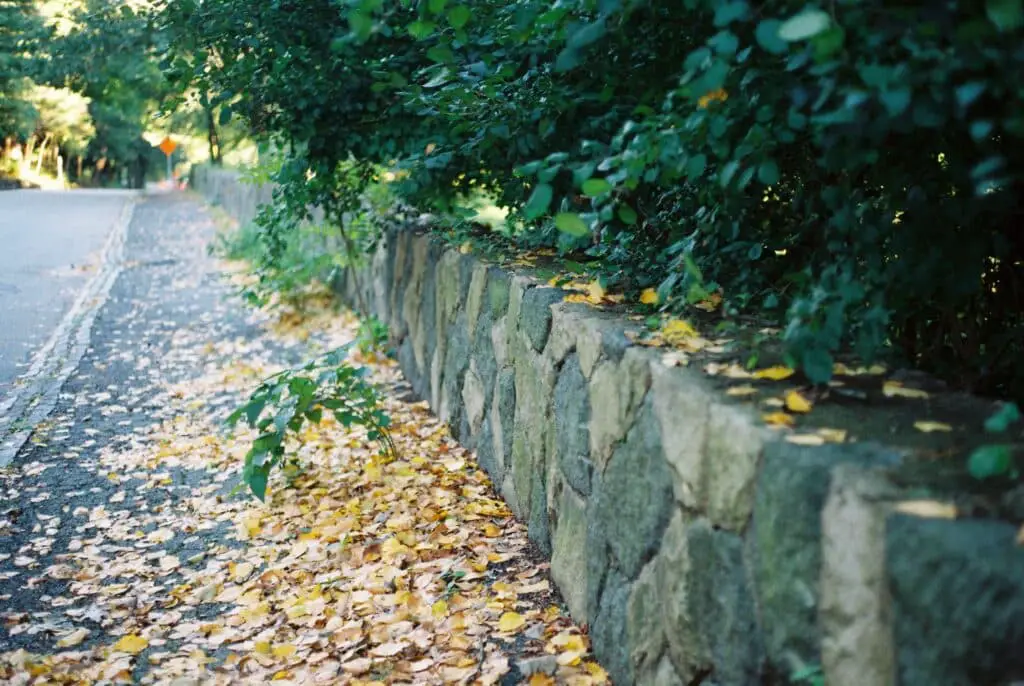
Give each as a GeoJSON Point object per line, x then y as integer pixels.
{"type": "Point", "coordinates": [212, 136]}
{"type": "Point", "coordinates": [42, 153]}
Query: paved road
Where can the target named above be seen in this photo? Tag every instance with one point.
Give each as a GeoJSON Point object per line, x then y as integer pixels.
{"type": "Point", "coordinates": [50, 244]}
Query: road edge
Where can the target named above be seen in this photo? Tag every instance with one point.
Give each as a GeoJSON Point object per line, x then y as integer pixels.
{"type": "Point", "coordinates": [36, 392]}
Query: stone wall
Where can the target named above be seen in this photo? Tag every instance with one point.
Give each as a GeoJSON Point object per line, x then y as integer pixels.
{"type": "Point", "coordinates": [222, 187]}
{"type": "Point", "coordinates": [698, 546]}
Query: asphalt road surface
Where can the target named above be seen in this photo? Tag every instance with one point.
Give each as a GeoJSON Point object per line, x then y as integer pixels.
{"type": "Point", "coordinates": [50, 246]}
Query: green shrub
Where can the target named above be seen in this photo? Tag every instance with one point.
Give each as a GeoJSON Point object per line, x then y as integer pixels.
{"type": "Point", "coordinates": [851, 169]}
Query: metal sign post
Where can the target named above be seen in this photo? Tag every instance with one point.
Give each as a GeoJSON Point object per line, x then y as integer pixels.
{"type": "Point", "coordinates": [167, 147]}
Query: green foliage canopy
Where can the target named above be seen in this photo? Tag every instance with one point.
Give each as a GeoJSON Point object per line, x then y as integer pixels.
{"type": "Point", "coordinates": [853, 169]}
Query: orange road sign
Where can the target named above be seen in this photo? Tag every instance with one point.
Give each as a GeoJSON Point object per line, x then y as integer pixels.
{"type": "Point", "coordinates": [167, 146]}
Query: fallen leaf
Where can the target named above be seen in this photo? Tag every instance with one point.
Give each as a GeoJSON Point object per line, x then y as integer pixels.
{"type": "Point", "coordinates": [741, 391]}
{"type": "Point", "coordinates": [894, 389]}
{"type": "Point", "coordinates": [243, 571]}
{"type": "Point", "coordinates": [169, 563]}
{"type": "Point", "coordinates": [778, 419]}
{"type": "Point", "coordinates": [931, 509]}
{"type": "Point", "coordinates": [73, 638]}
{"type": "Point", "coordinates": [777, 373]}
{"type": "Point", "coordinates": [806, 439]}
{"type": "Point", "coordinates": [833, 435]}
{"type": "Point", "coordinates": [649, 296]}
{"type": "Point", "coordinates": [511, 622]}
{"type": "Point", "coordinates": [795, 402]}
{"type": "Point", "coordinates": [676, 331]}
{"type": "Point", "coordinates": [389, 649]}
{"type": "Point", "coordinates": [929, 427]}
{"type": "Point", "coordinates": [132, 643]}
{"type": "Point", "coordinates": [283, 650]}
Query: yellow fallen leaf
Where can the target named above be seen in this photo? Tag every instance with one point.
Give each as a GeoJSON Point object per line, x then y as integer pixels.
{"type": "Point", "coordinates": [249, 526]}
{"type": "Point", "coordinates": [777, 373]}
{"type": "Point", "coordinates": [929, 427]}
{"type": "Point", "coordinates": [540, 679]}
{"type": "Point", "coordinates": [596, 671]}
{"type": "Point", "coordinates": [741, 391]}
{"type": "Point", "coordinates": [649, 296]}
{"type": "Point", "coordinates": [778, 419]}
{"type": "Point", "coordinates": [262, 647]}
{"type": "Point", "coordinates": [931, 509]}
{"type": "Point", "coordinates": [569, 642]}
{"type": "Point", "coordinates": [569, 658]}
{"type": "Point", "coordinates": [132, 643]}
{"type": "Point", "coordinates": [73, 638]}
{"type": "Point", "coordinates": [439, 609]}
{"type": "Point", "coordinates": [595, 292]}
{"type": "Point", "coordinates": [729, 371]}
{"type": "Point", "coordinates": [833, 435]}
{"type": "Point", "coordinates": [795, 402]}
{"type": "Point", "coordinates": [894, 389]}
{"type": "Point", "coordinates": [491, 531]}
{"type": "Point", "coordinates": [677, 330]}
{"type": "Point", "coordinates": [242, 571]}
{"type": "Point", "coordinates": [806, 439]}
{"type": "Point", "coordinates": [283, 650]}
{"type": "Point", "coordinates": [511, 621]}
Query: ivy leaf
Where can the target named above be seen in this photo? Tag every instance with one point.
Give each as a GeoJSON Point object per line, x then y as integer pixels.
{"type": "Point", "coordinates": [539, 201]}
{"type": "Point", "coordinates": [805, 25]}
{"type": "Point", "coordinates": [595, 187]}
{"type": "Point", "coordinates": [360, 24]}
{"type": "Point", "coordinates": [896, 100]}
{"type": "Point", "coordinates": [224, 117]}
{"type": "Point", "coordinates": [728, 12]}
{"type": "Point", "coordinates": [436, 6]}
{"type": "Point", "coordinates": [420, 29]}
{"type": "Point", "coordinates": [441, 53]}
{"type": "Point", "coordinates": [695, 166]}
{"type": "Point", "coordinates": [989, 461]}
{"type": "Point", "coordinates": [829, 42]}
{"type": "Point", "coordinates": [767, 35]}
{"type": "Point", "coordinates": [627, 215]}
{"type": "Point", "coordinates": [572, 224]}
{"type": "Point", "coordinates": [768, 173]}
{"type": "Point", "coordinates": [458, 16]}
{"type": "Point", "coordinates": [1001, 420]}
{"type": "Point", "coordinates": [1005, 14]}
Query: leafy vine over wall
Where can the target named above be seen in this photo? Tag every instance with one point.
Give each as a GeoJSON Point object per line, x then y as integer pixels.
{"type": "Point", "coordinates": [852, 169]}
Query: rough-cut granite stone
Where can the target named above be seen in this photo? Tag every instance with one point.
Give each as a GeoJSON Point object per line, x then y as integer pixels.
{"type": "Point", "coordinates": [700, 547]}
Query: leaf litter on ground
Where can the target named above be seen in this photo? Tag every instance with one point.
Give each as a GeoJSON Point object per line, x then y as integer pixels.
{"type": "Point", "coordinates": [359, 568]}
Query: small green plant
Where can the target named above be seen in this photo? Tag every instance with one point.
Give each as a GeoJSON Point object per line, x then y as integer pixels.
{"type": "Point", "coordinates": [284, 402]}
{"type": "Point", "coordinates": [372, 336]}
{"type": "Point", "coordinates": [996, 459]}
{"type": "Point", "coordinates": [810, 676]}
